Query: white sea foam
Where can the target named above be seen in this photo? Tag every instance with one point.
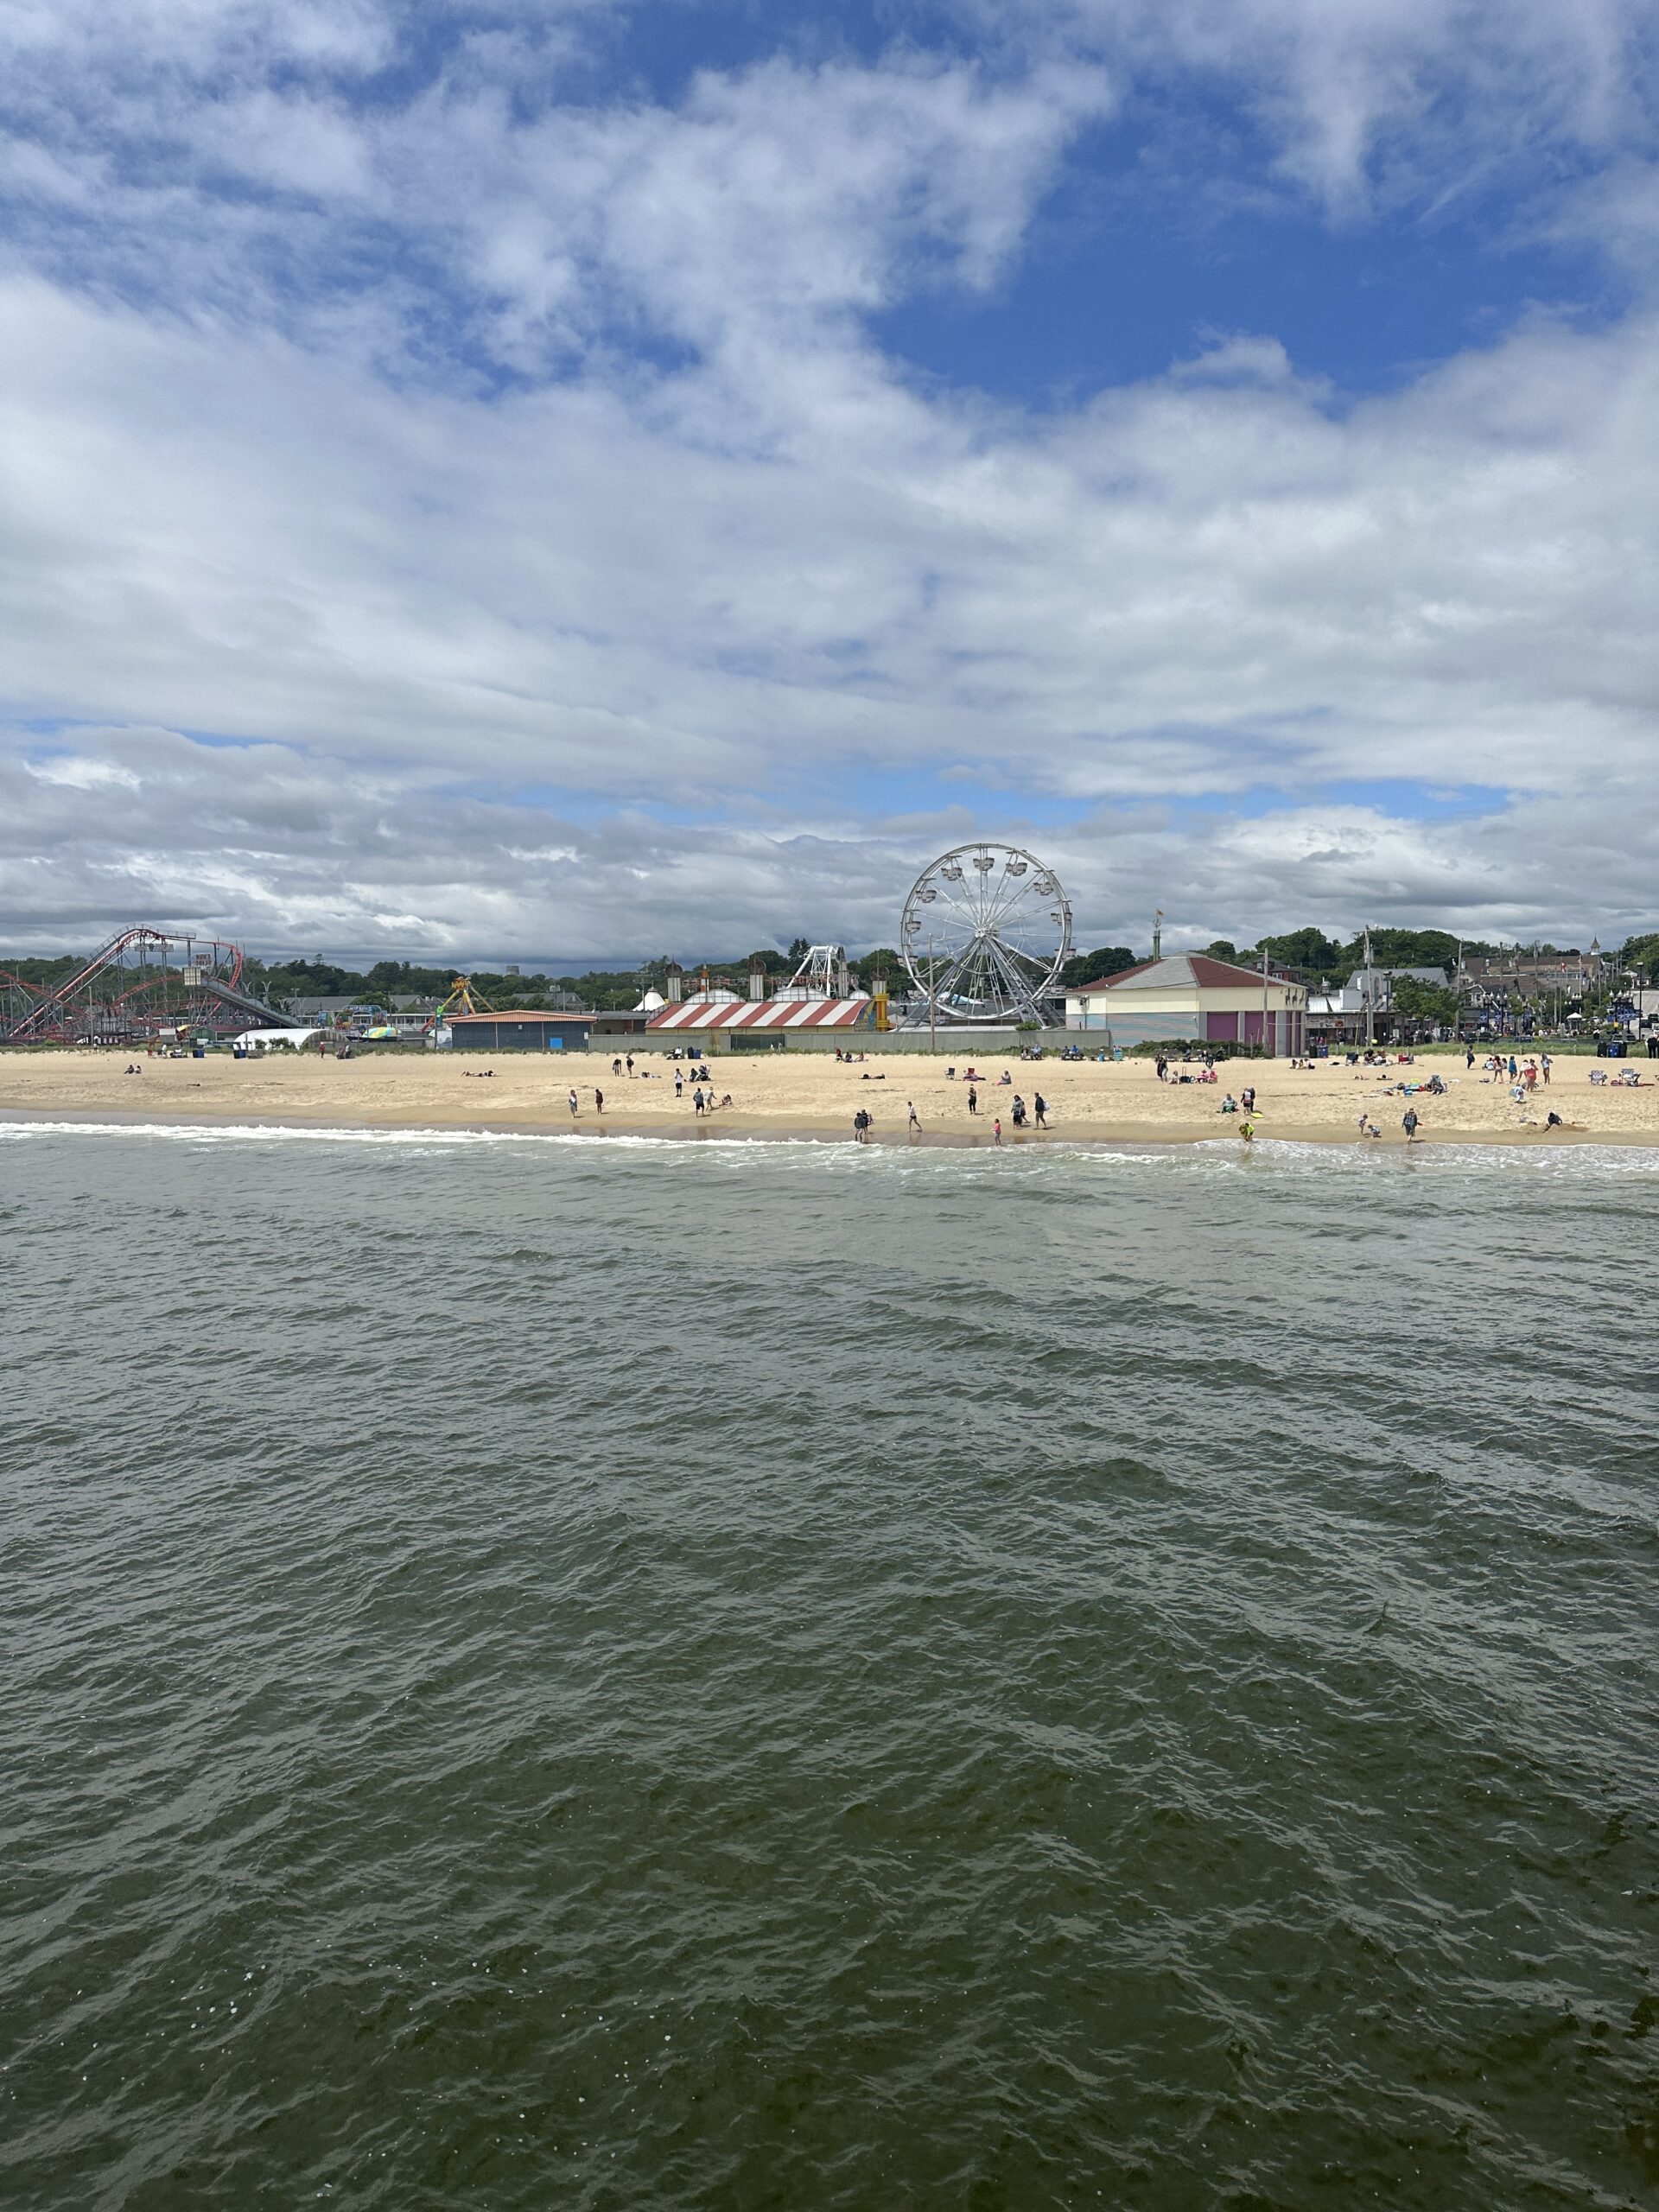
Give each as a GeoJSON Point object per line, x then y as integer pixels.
{"type": "Point", "coordinates": [1208, 1155]}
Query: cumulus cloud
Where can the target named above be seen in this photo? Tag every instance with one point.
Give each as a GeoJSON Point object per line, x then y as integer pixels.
{"type": "Point", "coordinates": [511, 478]}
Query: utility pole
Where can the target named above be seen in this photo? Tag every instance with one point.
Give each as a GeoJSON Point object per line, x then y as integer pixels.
{"type": "Point", "coordinates": [1371, 997]}
{"type": "Point", "coordinates": [1264, 1002]}
{"type": "Point", "coordinates": [933, 1004]}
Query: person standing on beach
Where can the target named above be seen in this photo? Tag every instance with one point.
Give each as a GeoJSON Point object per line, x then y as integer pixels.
{"type": "Point", "coordinates": [679, 1083]}
{"type": "Point", "coordinates": [599, 1100]}
{"type": "Point", "coordinates": [1039, 1106]}
{"type": "Point", "coordinates": [996, 1131]}
{"type": "Point", "coordinates": [1408, 1123]}
{"type": "Point", "coordinates": [630, 1063]}
{"type": "Point", "coordinates": [1468, 1059]}
{"type": "Point", "coordinates": [915, 1121]}
{"type": "Point", "coordinates": [1543, 1065]}
{"type": "Point", "coordinates": [696, 1098]}
{"type": "Point", "coordinates": [573, 1105]}
{"type": "Point", "coordinates": [973, 1100]}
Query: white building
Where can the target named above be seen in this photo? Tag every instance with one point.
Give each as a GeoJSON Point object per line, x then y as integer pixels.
{"type": "Point", "coordinates": [1188, 997]}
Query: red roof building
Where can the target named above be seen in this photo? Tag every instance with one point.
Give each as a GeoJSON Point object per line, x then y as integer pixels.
{"type": "Point", "coordinates": [1187, 997]}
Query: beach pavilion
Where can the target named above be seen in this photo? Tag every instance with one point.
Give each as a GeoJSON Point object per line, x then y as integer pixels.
{"type": "Point", "coordinates": [1187, 997]}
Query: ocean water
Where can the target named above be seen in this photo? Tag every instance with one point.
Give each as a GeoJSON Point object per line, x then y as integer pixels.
{"type": "Point", "coordinates": [574, 1673]}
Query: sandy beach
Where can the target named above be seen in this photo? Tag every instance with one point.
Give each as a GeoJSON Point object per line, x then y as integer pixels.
{"type": "Point", "coordinates": [803, 1095]}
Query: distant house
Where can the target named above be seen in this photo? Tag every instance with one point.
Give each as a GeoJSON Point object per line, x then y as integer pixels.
{"type": "Point", "coordinates": [1187, 997]}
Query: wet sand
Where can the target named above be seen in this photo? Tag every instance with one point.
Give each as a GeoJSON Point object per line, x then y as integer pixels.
{"type": "Point", "coordinates": [804, 1095]}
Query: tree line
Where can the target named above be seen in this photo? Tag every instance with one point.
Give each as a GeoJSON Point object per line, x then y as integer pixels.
{"type": "Point", "coordinates": [1317, 958]}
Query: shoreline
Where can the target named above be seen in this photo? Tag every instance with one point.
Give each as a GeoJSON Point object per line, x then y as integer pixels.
{"type": "Point", "coordinates": [753, 1129]}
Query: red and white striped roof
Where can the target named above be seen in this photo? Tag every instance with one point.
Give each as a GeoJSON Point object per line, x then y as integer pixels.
{"type": "Point", "coordinates": [764, 1014]}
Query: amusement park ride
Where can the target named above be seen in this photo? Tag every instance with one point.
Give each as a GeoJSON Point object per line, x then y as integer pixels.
{"type": "Point", "coordinates": [985, 932]}
{"type": "Point", "coordinates": [142, 983]}
{"type": "Point", "coordinates": [984, 935]}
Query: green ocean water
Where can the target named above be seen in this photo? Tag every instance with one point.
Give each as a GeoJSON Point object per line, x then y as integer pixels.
{"type": "Point", "coordinates": [559, 1672]}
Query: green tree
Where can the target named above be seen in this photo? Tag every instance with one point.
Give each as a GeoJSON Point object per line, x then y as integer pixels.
{"type": "Point", "coordinates": [883, 959]}
{"type": "Point", "coordinates": [1641, 953]}
{"type": "Point", "coordinates": [1421, 1002]}
{"type": "Point", "coordinates": [1405, 949]}
{"type": "Point", "coordinates": [1221, 948]}
{"type": "Point", "coordinates": [1307, 948]}
{"type": "Point", "coordinates": [1095, 967]}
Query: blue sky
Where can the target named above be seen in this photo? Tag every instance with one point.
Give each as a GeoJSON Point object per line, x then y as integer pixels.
{"type": "Point", "coordinates": [540, 475]}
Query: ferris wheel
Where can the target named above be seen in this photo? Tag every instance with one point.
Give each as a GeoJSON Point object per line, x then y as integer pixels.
{"type": "Point", "coordinates": [985, 932]}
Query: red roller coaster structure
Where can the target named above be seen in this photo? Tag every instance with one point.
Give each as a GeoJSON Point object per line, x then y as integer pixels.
{"type": "Point", "coordinates": [142, 982]}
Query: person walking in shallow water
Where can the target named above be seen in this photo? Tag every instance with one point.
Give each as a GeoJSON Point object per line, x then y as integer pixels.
{"type": "Point", "coordinates": [996, 1131]}
{"type": "Point", "coordinates": [573, 1105]}
{"type": "Point", "coordinates": [915, 1121]}
{"type": "Point", "coordinates": [1408, 1123]}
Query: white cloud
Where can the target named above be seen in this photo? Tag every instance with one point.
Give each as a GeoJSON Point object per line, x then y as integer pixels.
{"type": "Point", "coordinates": [703, 549]}
{"type": "Point", "coordinates": [1380, 98]}
{"type": "Point", "coordinates": [1195, 585]}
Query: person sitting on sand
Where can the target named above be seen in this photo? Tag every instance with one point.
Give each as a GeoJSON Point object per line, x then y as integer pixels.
{"type": "Point", "coordinates": [725, 1097]}
{"type": "Point", "coordinates": [1368, 1129]}
{"type": "Point", "coordinates": [1004, 1078]}
{"type": "Point", "coordinates": [1228, 1104]}
{"type": "Point", "coordinates": [1553, 1121]}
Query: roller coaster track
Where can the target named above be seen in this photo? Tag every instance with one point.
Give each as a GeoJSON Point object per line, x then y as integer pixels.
{"type": "Point", "coordinates": [55, 1014]}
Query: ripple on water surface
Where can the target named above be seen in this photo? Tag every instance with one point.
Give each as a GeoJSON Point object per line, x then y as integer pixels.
{"type": "Point", "coordinates": [549, 1672]}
